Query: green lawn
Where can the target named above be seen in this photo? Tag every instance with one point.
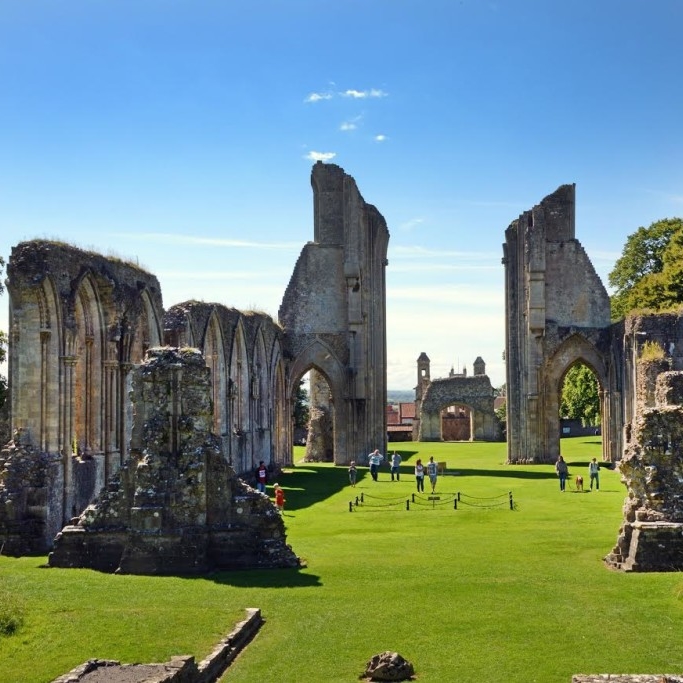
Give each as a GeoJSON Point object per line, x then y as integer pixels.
{"type": "Point", "coordinates": [473, 594]}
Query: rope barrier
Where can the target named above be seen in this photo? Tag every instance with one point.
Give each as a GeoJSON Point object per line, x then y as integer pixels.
{"type": "Point", "coordinates": [433, 500]}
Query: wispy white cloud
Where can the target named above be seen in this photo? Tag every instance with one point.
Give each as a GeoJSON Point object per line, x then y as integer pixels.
{"type": "Point", "coordinates": [351, 124]}
{"type": "Point", "coordinates": [194, 240]}
{"type": "Point", "coordinates": [363, 94]}
{"type": "Point", "coordinates": [410, 225]}
{"type": "Point", "coordinates": [380, 138]}
{"type": "Point", "coordinates": [318, 97]}
{"type": "Point", "coordinates": [320, 156]}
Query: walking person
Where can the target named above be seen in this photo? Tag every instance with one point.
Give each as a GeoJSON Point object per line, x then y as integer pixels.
{"type": "Point", "coordinates": [352, 473]}
{"type": "Point", "coordinates": [375, 458]}
{"type": "Point", "coordinates": [261, 477]}
{"type": "Point", "coordinates": [395, 466]}
{"type": "Point", "coordinates": [420, 475]}
{"type": "Point", "coordinates": [432, 472]}
{"type": "Point", "coordinates": [594, 471]}
{"type": "Point", "coordinates": [562, 472]}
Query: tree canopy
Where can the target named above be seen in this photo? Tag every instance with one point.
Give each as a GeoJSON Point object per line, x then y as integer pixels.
{"type": "Point", "coordinates": [648, 272]}
{"type": "Point", "coordinates": [301, 406]}
{"type": "Point", "coordinates": [580, 395]}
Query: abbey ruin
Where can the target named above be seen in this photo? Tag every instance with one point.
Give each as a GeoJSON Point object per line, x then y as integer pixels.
{"type": "Point", "coordinates": [81, 324]}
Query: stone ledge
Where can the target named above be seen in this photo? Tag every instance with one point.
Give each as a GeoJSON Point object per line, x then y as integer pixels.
{"type": "Point", "coordinates": [180, 669]}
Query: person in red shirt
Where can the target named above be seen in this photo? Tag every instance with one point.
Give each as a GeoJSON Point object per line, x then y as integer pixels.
{"type": "Point", "coordinates": [279, 497]}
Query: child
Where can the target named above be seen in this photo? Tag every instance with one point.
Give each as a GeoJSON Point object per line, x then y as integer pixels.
{"type": "Point", "coordinates": [279, 498]}
{"type": "Point", "coordinates": [352, 473]}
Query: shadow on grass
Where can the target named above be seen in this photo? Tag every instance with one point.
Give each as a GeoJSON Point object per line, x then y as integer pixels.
{"type": "Point", "coordinates": [263, 578]}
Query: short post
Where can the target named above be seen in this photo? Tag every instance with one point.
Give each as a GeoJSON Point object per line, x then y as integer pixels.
{"type": "Point", "coordinates": [512, 505]}
{"type": "Point", "coordinates": [455, 503]}
{"type": "Point", "coordinates": [413, 497]}
{"type": "Point", "coordinates": [350, 506]}
{"type": "Point", "coordinates": [458, 495]}
{"type": "Point", "coordinates": [357, 500]}
{"type": "Point", "coordinates": [408, 505]}
{"type": "Point", "coordinates": [361, 497]}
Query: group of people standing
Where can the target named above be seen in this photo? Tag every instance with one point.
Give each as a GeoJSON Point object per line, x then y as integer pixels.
{"type": "Point", "coordinates": [375, 460]}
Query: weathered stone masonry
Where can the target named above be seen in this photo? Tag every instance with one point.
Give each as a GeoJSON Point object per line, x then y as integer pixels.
{"type": "Point", "coordinates": [176, 507]}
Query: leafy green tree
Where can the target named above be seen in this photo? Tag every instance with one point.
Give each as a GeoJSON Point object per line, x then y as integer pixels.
{"type": "Point", "coordinates": [639, 278]}
{"type": "Point", "coordinates": [301, 407]}
{"type": "Point", "coordinates": [580, 395]}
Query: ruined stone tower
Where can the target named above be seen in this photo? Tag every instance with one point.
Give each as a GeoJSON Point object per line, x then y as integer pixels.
{"type": "Point", "coordinates": [334, 312]}
{"type": "Point", "coordinates": [557, 314]}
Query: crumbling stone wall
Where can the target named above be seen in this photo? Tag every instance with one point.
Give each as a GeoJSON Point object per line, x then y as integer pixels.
{"type": "Point", "coordinates": [557, 314]}
{"type": "Point", "coordinates": [78, 324]}
{"type": "Point", "coordinates": [334, 311]}
{"type": "Point", "coordinates": [651, 536]}
{"type": "Point", "coordinates": [176, 507]}
{"type": "Point", "coordinates": [243, 350]}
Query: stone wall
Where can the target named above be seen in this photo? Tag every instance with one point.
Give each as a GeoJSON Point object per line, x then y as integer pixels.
{"type": "Point", "coordinates": [651, 536]}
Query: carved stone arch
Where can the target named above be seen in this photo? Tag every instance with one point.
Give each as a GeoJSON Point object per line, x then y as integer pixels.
{"type": "Point", "coordinates": [238, 393]}
{"type": "Point", "coordinates": [260, 389]}
{"type": "Point", "coordinates": [327, 438]}
{"type": "Point", "coordinates": [214, 354]}
{"type": "Point", "coordinates": [281, 407]}
{"type": "Point", "coordinates": [321, 357]}
{"type": "Point", "coordinates": [35, 317]}
{"type": "Point", "coordinates": [573, 350]}
{"type": "Point", "coordinates": [83, 369]}
{"type": "Point", "coordinates": [142, 328]}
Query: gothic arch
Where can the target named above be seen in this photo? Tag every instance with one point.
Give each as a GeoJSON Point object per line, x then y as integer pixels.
{"type": "Point", "coordinates": [575, 349]}
{"type": "Point", "coordinates": [83, 370]}
{"type": "Point", "coordinates": [259, 396]}
{"type": "Point", "coordinates": [214, 353]}
{"type": "Point", "coordinates": [281, 406]}
{"type": "Point", "coordinates": [238, 383]}
{"type": "Point", "coordinates": [321, 357]}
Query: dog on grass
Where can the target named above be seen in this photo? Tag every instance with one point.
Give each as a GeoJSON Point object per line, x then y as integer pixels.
{"type": "Point", "coordinates": [579, 482]}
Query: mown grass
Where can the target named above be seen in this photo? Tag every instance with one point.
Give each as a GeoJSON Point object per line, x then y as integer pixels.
{"type": "Point", "coordinates": [468, 595]}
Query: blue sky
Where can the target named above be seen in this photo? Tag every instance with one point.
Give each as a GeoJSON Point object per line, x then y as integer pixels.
{"type": "Point", "coordinates": [181, 134]}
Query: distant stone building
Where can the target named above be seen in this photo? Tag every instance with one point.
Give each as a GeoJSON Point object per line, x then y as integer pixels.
{"type": "Point", "coordinates": [454, 408]}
